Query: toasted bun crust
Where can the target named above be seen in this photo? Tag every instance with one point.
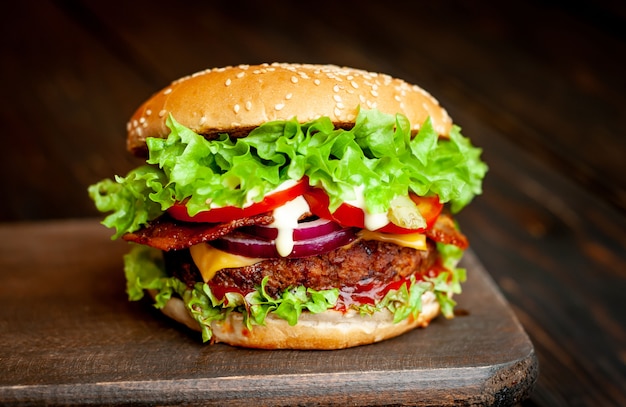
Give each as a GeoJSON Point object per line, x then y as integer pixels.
{"type": "Point", "coordinates": [237, 99]}
{"type": "Point", "coordinates": [324, 331]}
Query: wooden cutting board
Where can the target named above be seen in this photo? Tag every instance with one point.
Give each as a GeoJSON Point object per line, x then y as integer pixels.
{"type": "Point", "coordinates": [68, 335]}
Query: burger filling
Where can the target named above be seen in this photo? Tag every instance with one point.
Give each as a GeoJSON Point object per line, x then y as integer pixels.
{"type": "Point", "coordinates": [296, 218]}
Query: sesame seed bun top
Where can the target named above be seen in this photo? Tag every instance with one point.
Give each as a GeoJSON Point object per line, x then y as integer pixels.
{"type": "Point", "coordinates": [235, 100]}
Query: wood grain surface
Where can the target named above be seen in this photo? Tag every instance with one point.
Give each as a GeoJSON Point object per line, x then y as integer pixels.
{"type": "Point", "coordinates": [539, 85]}
{"type": "Point", "coordinates": [77, 340]}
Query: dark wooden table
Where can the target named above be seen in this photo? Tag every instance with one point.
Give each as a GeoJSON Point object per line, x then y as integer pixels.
{"type": "Point", "coordinates": [540, 86]}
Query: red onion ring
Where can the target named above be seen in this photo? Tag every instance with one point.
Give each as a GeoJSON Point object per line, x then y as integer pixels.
{"type": "Point", "coordinates": [307, 229]}
{"type": "Point", "coordinates": [253, 246]}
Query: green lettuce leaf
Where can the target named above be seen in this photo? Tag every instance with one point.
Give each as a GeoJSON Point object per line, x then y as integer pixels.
{"type": "Point", "coordinates": [144, 269]}
{"type": "Point", "coordinates": [378, 155]}
{"type": "Point", "coordinates": [132, 200]}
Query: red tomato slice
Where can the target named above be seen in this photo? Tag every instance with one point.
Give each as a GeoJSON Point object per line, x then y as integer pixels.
{"type": "Point", "coordinates": [429, 207]}
{"type": "Point", "coordinates": [345, 215]}
{"type": "Point", "coordinates": [228, 213]}
{"type": "Point", "coordinates": [348, 215]}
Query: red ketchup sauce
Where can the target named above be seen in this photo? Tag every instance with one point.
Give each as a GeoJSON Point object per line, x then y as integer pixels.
{"type": "Point", "coordinates": [370, 292]}
{"type": "Point", "coordinates": [220, 291]}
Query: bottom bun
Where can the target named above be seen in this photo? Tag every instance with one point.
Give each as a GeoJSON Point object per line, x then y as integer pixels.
{"type": "Point", "coordinates": [327, 330]}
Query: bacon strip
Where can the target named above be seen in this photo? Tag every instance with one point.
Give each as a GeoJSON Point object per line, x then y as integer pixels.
{"type": "Point", "coordinates": [445, 231]}
{"type": "Point", "coordinates": [166, 233]}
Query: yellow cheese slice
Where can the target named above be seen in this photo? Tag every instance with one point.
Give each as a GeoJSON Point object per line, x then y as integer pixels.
{"type": "Point", "coordinates": [412, 240]}
{"type": "Point", "coordinates": [210, 260]}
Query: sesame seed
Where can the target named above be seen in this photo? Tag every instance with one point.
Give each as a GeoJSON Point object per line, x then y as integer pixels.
{"type": "Point", "coordinates": [128, 126]}
{"type": "Point", "coordinates": [236, 108]}
{"type": "Point", "coordinates": [374, 93]}
{"type": "Point", "coordinates": [279, 106]}
{"type": "Point", "coordinates": [317, 82]}
{"type": "Point", "coordinates": [167, 91]}
{"type": "Point", "coordinates": [138, 131]}
{"type": "Point", "coordinates": [228, 82]}
{"type": "Point", "coordinates": [202, 120]}
{"type": "Point", "coordinates": [336, 88]}
{"type": "Point", "coordinates": [288, 96]}
{"type": "Point", "coordinates": [354, 85]}
{"type": "Point", "coordinates": [241, 75]}
{"type": "Point", "coordinates": [248, 105]}
{"type": "Point", "coordinates": [135, 124]}
{"type": "Point", "coordinates": [148, 112]}
{"type": "Point", "coordinates": [142, 120]}
{"type": "Point", "coordinates": [162, 113]}
{"type": "Point", "coordinates": [337, 98]}
{"type": "Point", "coordinates": [337, 112]}
{"type": "Point", "coordinates": [340, 105]}
{"type": "Point", "coordinates": [294, 79]}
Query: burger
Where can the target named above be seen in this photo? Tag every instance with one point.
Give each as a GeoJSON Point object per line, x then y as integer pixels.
{"type": "Point", "coordinates": [292, 206]}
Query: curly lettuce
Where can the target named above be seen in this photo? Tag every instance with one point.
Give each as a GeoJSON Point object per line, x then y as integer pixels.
{"type": "Point", "coordinates": [378, 155]}
{"type": "Point", "coordinates": [144, 270]}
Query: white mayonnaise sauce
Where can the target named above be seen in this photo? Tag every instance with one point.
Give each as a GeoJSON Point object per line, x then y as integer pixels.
{"type": "Point", "coordinates": [285, 221]}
